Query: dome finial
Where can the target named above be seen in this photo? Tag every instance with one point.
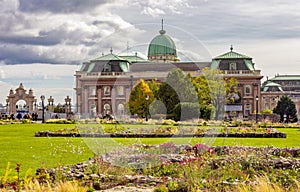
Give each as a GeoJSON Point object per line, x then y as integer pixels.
{"type": "Point", "coordinates": [231, 48]}
{"type": "Point", "coordinates": [111, 50]}
{"type": "Point", "coordinates": [162, 31]}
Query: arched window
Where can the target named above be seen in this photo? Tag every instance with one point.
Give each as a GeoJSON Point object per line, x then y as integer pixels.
{"type": "Point", "coordinates": [93, 110]}
{"type": "Point", "coordinates": [106, 108]}
{"type": "Point", "coordinates": [121, 109]}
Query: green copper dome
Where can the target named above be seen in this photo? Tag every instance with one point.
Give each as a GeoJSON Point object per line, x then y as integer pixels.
{"type": "Point", "coordinates": [162, 48]}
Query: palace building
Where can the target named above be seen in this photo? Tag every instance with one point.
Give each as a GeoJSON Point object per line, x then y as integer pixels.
{"type": "Point", "coordinates": [278, 86]}
{"type": "Point", "coordinates": [241, 67]}
{"type": "Point", "coordinates": [103, 85]}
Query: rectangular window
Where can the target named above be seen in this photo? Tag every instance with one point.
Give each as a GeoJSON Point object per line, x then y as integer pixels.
{"type": "Point", "coordinates": [92, 91]}
{"type": "Point", "coordinates": [247, 89]}
{"type": "Point", "coordinates": [247, 109]}
{"type": "Point", "coordinates": [106, 90]}
{"type": "Point", "coordinates": [120, 90]}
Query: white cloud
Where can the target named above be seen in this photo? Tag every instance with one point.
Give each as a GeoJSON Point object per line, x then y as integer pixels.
{"type": "Point", "coordinates": [56, 32]}
{"type": "Point", "coordinates": [154, 12]}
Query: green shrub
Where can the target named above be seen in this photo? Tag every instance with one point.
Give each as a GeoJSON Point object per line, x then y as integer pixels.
{"type": "Point", "coordinates": [168, 122]}
{"type": "Point", "coordinates": [60, 121]}
{"type": "Point", "coordinates": [266, 111]}
{"type": "Point", "coordinates": [186, 111]}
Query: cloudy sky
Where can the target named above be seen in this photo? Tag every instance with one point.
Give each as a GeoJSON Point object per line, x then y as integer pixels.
{"type": "Point", "coordinates": [43, 42]}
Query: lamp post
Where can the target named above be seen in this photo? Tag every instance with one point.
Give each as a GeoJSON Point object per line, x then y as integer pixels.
{"type": "Point", "coordinates": [256, 114]}
{"type": "Point", "coordinates": [147, 98]}
{"type": "Point", "coordinates": [43, 112]}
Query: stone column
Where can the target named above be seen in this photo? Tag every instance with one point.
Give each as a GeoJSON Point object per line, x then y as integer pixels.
{"type": "Point", "coordinates": [113, 100]}
{"type": "Point", "coordinates": [85, 101]}
{"type": "Point", "coordinates": [99, 104]}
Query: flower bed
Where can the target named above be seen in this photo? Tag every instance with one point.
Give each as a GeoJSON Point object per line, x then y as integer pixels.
{"type": "Point", "coordinates": [186, 167]}
{"type": "Point", "coordinates": [162, 135]}
{"type": "Point", "coordinates": [162, 132]}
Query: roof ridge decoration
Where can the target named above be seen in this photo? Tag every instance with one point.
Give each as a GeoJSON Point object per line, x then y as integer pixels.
{"type": "Point", "coordinates": [107, 57]}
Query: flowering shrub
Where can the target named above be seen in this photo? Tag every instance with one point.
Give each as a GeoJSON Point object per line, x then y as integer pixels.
{"type": "Point", "coordinates": [200, 149]}
{"type": "Point", "coordinates": [60, 121]}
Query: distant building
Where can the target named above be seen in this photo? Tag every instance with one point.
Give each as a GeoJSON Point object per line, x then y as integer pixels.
{"type": "Point", "coordinates": [278, 86]}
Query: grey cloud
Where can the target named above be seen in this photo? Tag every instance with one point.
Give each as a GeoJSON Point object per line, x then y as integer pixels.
{"type": "Point", "coordinates": [60, 6]}
{"type": "Point", "coordinates": [13, 54]}
{"type": "Point", "coordinates": [27, 40]}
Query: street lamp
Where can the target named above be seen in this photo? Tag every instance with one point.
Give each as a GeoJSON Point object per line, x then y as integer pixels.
{"type": "Point", "coordinates": [256, 114]}
{"type": "Point", "coordinates": [147, 98]}
{"type": "Point", "coordinates": [43, 112]}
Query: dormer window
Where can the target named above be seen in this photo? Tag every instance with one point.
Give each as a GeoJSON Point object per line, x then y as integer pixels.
{"type": "Point", "coordinates": [232, 66]}
{"type": "Point", "coordinates": [107, 67]}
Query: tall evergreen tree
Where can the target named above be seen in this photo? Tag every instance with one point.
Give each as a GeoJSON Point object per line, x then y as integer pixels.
{"type": "Point", "coordinates": [177, 88]}
{"type": "Point", "coordinates": [286, 109]}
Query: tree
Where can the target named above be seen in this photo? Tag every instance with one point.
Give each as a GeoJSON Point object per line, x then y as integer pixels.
{"type": "Point", "coordinates": [176, 89]}
{"type": "Point", "coordinates": [154, 86]}
{"type": "Point", "coordinates": [137, 101]}
{"type": "Point", "coordinates": [203, 93]}
{"type": "Point", "coordinates": [217, 91]}
{"type": "Point", "coordinates": [286, 109]}
{"type": "Point", "coordinates": [232, 94]}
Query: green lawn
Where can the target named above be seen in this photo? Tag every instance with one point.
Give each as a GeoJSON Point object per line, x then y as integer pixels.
{"type": "Point", "coordinates": [18, 145]}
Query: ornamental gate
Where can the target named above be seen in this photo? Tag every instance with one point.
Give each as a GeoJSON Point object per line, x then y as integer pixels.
{"type": "Point", "coordinates": [20, 94]}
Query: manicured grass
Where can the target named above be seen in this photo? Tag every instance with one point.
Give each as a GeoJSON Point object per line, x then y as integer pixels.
{"type": "Point", "coordinates": [18, 145]}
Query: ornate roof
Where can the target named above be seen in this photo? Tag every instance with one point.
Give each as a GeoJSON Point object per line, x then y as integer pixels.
{"type": "Point", "coordinates": [134, 59]}
{"type": "Point", "coordinates": [103, 63]}
{"type": "Point", "coordinates": [232, 55]}
{"type": "Point", "coordinates": [109, 57]}
{"type": "Point", "coordinates": [286, 78]}
{"type": "Point", "coordinates": [162, 44]}
{"type": "Point", "coordinates": [270, 84]}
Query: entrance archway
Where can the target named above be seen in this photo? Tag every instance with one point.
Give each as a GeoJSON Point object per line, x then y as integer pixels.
{"type": "Point", "coordinates": [18, 98]}
{"type": "Point", "coordinates": [21, 105]}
